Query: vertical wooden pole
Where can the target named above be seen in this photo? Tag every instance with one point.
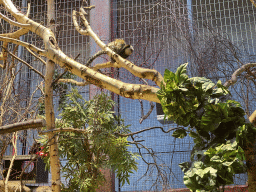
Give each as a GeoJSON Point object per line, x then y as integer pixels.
{"type": "Point", "coordinates": [49, 108]}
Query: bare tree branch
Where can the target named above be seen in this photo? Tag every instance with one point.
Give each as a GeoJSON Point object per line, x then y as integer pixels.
{"type": "Point", "coordinates": [143, 117]}
{"type": "Point", "coordinates": [24, 44]}
{"type": "Point", "coordinates": [24, 62]}
{"type": "Point", "coordinates": [65, 71]}
{"type": "Point", "coordinates": [31, 124]}
{"type": "Point", "coordinates": [238, 72]}
{"type": "Point", "coordinates": [73, 81]}
{"type": "Point", "coordinates": [14, 22]}
{"type": "Point", "coordinates": [14, 144]}
{"type": "Point", "coordinates": [39, 58]}
{"type": "Point", "coordinates": [147, 129]}
{"type": "Point", "coordinates": [105, 65]}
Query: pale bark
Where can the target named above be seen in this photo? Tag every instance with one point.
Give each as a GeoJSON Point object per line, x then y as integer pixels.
{"type": "Point", "coordinates": [77, 83]}
{"type": "Point", "coordinates": [30, 124]}
{"type": "Point", "coordinates": [14, 144]}
{"type": "Point", "coordinates": [53, 52]}
{"type": "Point", "coordinates": [237, 73]}
{"type": "Point", "coordinates": [49, 108]}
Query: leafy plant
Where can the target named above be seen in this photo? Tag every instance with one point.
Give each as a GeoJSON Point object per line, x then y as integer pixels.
{"type": "Point", "coordinates": [213, 121]}
{"type": "Point", "coordinates": [217, 168]}
{"type": "Point", "coordinates": [97, 147]}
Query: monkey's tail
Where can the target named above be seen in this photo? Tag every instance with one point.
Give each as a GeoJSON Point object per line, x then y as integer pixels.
{"type": "Point", "coordinates": [90, 60]}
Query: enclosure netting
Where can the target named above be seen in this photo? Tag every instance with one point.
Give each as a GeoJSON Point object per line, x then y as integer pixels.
{"type": "Point", "coordinates": [215, 37]}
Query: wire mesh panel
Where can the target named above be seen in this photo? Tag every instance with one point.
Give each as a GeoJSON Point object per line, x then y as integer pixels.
{"type": "Point", "coordinates": [153, 28]}
{"type": "Point", "coordinates": [215, 37]}
{"type": "Point", "coordinates": [229, 28]}
{"type": "Point", "coordinates": [28, 84]}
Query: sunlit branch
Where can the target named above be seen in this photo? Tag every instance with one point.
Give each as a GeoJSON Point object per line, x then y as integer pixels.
{"type": "Point", "coordinates": [39, 58]}
{"type": "Point", "coordinates": [121, 62]}
{"type": "Point", "coordinates": [73, 81]}
{"type": "Point", "coordinates": [14, 22]}
{"type": "Point", "coordinates": [105, 65]}
{"type": "Point", "coordinates": [24, 44]}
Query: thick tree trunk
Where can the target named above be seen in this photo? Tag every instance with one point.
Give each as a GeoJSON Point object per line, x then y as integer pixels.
{"type": "Point", "coordinates": [251, 164]}
{"type": "Point", "coordinates": [50, 124]}
{"type": "Point", "coordinates": [250, 155]}
{"type": "Point", "coordinates": [49, 108]}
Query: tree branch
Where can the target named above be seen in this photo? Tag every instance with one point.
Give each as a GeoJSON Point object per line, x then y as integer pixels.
{"type": "Point", "coordinates": [14, 144]}
{"type": "Point", "coordinates": [31, 124]}
{"type": "Point", "coordinates": [238, 72]}
{"type": "Point", "coordinates": [147, 129]}
{"type": "Point", "coordinates": [53, 52]}
{"type": "Point", "coordinates": [24, 44]}
{"type": "Point", "coordinates": [24, 62]}
{"type": "Point", "coordinates": [73, 81]}
{"type": "Point", "coordinates": [143, 117]}
{"type": "Point", "coordinates": [39, 58]}
{"type": "Point", "coordinates": [105, 65]}
{"type": "Point", "coordinates": [14, 22]}
{"type": "Point", "coordinates": [65, 71]}
{"type": "Point", "coordinates": [135, 70]}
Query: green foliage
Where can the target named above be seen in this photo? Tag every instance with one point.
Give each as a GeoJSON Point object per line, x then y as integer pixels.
{"type": "Point", "coordinates": [217, 168]}
{"type": "Point", "coordinates": [246, 135]}
{"type": "Point", "coordinates": [60, 90]}
{"type": "Point", "coordinates": [97, 148]}
{"type": "Point", "coordinates": [212, 121]}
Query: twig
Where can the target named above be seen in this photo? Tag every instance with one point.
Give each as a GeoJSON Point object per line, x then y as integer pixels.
{"type": "Point", "coordinates": [14, 143]}
{"type": "Point", "coordinates": [143, 117]}
{"type": "Point", "coordinates": [150, 128]}
{"type": "Point", "coordinates": [24, 62]}
{"type": "Point", "coordinates": [24, 44]}
{"type": "Point", "coordinates": [39, 58]}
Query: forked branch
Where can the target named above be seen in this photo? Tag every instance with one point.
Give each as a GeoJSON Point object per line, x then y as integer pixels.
{"type": "Point", "coordinates": [53, 52]}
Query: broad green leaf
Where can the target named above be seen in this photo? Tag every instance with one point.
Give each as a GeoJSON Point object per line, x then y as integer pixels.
{"type": "Point", "coordinates": [169, 76]}
{"type": "Point", "coordinates": [181, 73]}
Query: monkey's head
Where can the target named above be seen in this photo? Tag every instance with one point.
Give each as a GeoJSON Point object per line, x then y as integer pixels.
{"type": "Point", "coordinates": [126, 51]}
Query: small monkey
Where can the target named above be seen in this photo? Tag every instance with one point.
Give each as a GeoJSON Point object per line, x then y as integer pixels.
{"type": "Point", "coordinates": [119, 46]}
